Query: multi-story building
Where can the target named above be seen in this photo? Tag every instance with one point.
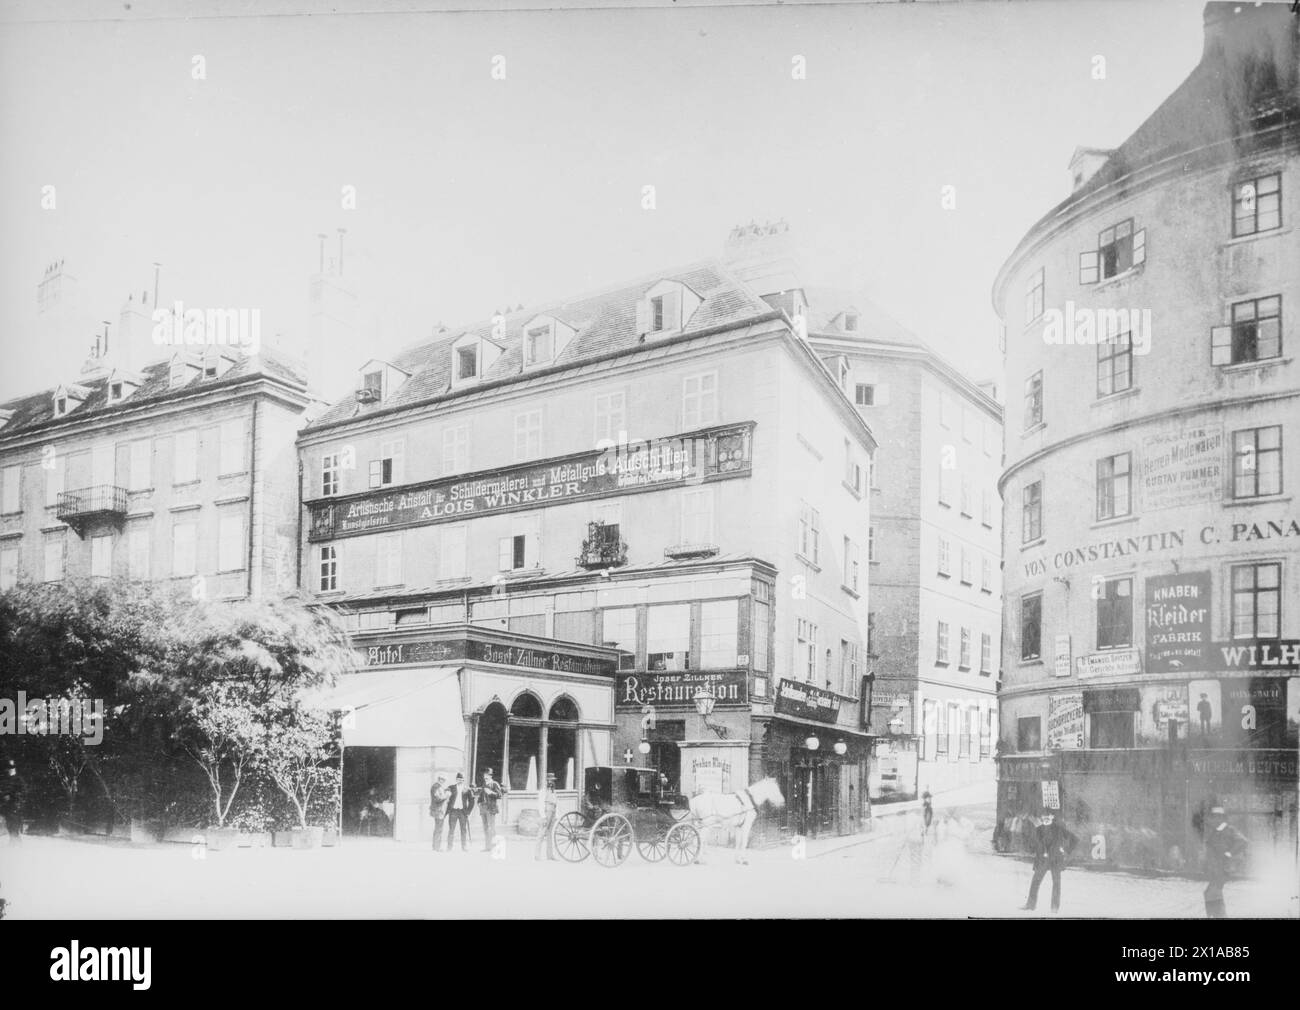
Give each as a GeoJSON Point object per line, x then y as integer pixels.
{"type": "Point", "coordinates": [622, 529]}
{"type": "Point", "coordinates": [182, 469]}
{"type": "Point", "coordinates": [1152, 537]}
{"type": "Point", "coordinates": [934, 547]}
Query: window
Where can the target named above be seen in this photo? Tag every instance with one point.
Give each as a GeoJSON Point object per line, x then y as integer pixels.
{"type": "Point", "coordinates": [8, 568]}
{"type": "Point", "coordinates": [871, 633]}
{"type": "Point", "coordinates": [850, 322]}
{"type": "Point", "coordinates": [668, 637]}
{"type": "Point", "coordinates": [873, 480]}
{"type": "Point", "coordinates": [60, 406]}
{"type": "Point", "coordinates": [466, 362]}
{"type": "Point", "coordinates": [539, 344]}
{"type": "Point", "coordinates": [114, 392]}
{"type": "Point", "coordinates": [945, 552]}
{"type": "Point", "coordinates": [986, 732]}
{"type": "Point", "coordinates": [101, 557]}
{"type": "Point", "coordinates": [969, 425]}
{"type": "Point", "coordinates": [809, 532]}
{"type": "Point", "coordinates": [851, 559]}
{"type": "Point", "coordinates": [1114, 486]}
{"type": "Point", "coordinates": [329, 474]}
{"type": "Point", "coordinates": [185, 457]}
{"type": "Point", "coordinates": [699, 400]}
{"type": "Point", "coordinates": [231, 544]}
{"type": "Point", "coordinates": [941, 728]}
{"type": "Point", "coordinates": [574, 626]}
{"type": "Point", "coordinates": [852, 470]}
{"type": "Point", "coordinates": [986, 508]}
{"type": "Point", "coordinates": [137, 550]}
{"type": "Point", "coordinates": [618, 631]}
{"type": "Point", "coordinates": [1113, 730]}
{"type": "Point", "coordinates": [388, 468]}
{"type": "Point", "coordinates": [455, 449]}
{"type": "Point", "coordinates": [967, 568]}
{"type": "Point", "coordinates": [53, 558]}
{"type": "Point", "coordinates": [762, 623]}
{"type": "Point", "coordinates": [1114, 364]}
{"type": "Point", "coordinates": [1119, 248]}
{"type": "Point", "coordinates": [451, 556]}
{"type": "Point", "coordinates": [945, 410]}
{"type": "Point", "coordinates": [1034, 295]}
{"type": "Point", "coordinates": [1257, 462]}
{"type": "Point", "coordinates": [697, 516]}
{"type": "Point", "coordinates": [805, 658]}
{"type": "Point", "coordinates": [54, 480]}
{"type": "Point", "coordinates": [528, 434]}
{"type": "Point", "coordinates": [523, 548]}
{"type": "Point", "coordinates": [986, 575]}
{"type": "Point", "coordinates": [719, 624]}
{"type": "Point", "coordinates": [959, 717]}
{"type": "Point", "coordinates": [1257, 205]}
{"type": "Point", "coordinates": [990, 438]}
{"type": "Point", "coordinates": [1034, 400]}
{"type": "Point", "coordinates": [965, 496]}
{"type": "Point", "coordinates": [1032, 513]}
{"type": "Point", "coordinates": [941, 643]}
{"type": "Point", "coordinates": [864, 395]}
{"type": "Point", "coordinates": [611, 416]}
{"type": "Point", "coordinates": [963, 656]}
{"type": "Point", "coordinates": [945, 482]}
{"type": "Point", "coordinates": [986, 653]}
{"type": "Point", "coordinates": [1254, 335]}
{"type": "Point", "coordinates": [1115, 614]}
{"type": "Point", "coordinates": [140, 475]}
{"type": "Point", "coordinates": [11, 489]}
{"type": "Point", "coordinates": [1029, 734]}
{"type": "Point", "coordinates": [1256, 600]}
{"type": "Point", "coordinates": [329, 568]}
{"type": "Point", "coordinates": [183, 548]}
{"type": "Point", "coordinates": [234, 458]}
{"type": "Point", "coordinates": [1031, 626]}
{"type": "Point", "coordinates": [871, 544]}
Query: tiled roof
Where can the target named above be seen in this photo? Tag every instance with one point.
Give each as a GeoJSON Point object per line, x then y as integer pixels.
{"type": "Point", "coordinates": [605, 323]}
{"type": "Point", "coordinates": [826, 304]}
{"type": "Point", "coordinates": [37, 409]}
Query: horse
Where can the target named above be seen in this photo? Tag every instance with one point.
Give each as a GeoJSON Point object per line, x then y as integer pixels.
{"type": "Point", "coordinates": [735, 810]}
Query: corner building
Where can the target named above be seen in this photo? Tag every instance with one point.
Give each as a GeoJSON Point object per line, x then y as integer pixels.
{"type": "Point", "coordinates": [549, 530]}
{"type": "Point", "coordinates": [1152, 538]}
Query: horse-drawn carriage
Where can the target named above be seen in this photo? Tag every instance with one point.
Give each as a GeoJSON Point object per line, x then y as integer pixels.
{"type": "Point", "coordinates": [623, 808]}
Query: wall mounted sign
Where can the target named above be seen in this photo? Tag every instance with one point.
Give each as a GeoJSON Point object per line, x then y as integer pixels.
{"type": "Point", "coordinates": [446, 649]}
{"type": "Point", "coordinates": [794, 697]}
{"type": "Point", "coordinates": [711, 454]}
{"type": "Point", "coordinates": [1115, 699]}
{"type": "Point", "coordinates": [1120, 663]}
{"type": "Point", "coordinates": [676, 689]}
{"type": "Point", "coordinates": [1181, 466]}
{"type": "Point", "coordinates": [1065, 721]}
{"type": "Point", "coordinates": [1254, 653]}
{"type": "Point", "coordinates": [1061, 657]}
{"type": "Point", "coordinates": [1164, 714]}
{"type": "Point", "coordinates": [1177, 621]}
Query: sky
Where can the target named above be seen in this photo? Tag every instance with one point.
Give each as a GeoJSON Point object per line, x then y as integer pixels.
{"type": "Point", "coordinates": [473, 193]}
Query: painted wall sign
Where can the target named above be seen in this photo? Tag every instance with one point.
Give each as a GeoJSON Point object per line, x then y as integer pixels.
{"type": "Point", "coordinates": [1065, 721]}
{"type": "Point", "coordinates": [442, 650]}
{"type": "Point", "coordinates": [1181, 466]}
{"type": "Point", "coordinates": [1120, 663]}
{"type": "Point", "coordinates": [677, 689]}
{"type": "Point", "coordinates": [1061, 657]}
{"type": "Point", "coordinates": [631, 466]}
{"type": "Point", "coordinates": [1115, 699]}
{"type": "Point", "coordinates": [1244, 768]}
{"type": "Point", "coordinates": [1177, 621]}
{"type": "Point", "coordinates": [1254, 653]}
{"type": "Point", "coordinates": [794, 697]}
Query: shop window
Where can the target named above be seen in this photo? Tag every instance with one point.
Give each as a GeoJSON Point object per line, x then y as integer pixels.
{"type": "Point", "coordinates": [1029, 734]}
{"type": "Point", "coordinates": [491, 741]}
{"type": "Point", "coordinates": [562, 743]}
{"type": "Point", "coordinates": [524, 742]}
{"type": "Point", "coordinates": [1111, 730]}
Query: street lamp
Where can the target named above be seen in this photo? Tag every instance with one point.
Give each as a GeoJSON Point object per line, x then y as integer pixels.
{"type": "Point", "coordinates": [812, 743]}
{"type": "Point", "coordinates": [704, 701]}
{"type": "Point", "coordinates": [644, 746]}
{"type": "Point", "coordinates": [841, 748]}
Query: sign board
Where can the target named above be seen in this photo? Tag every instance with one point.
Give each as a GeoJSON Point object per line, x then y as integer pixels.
{"type": "Point", "coordinates": [631, 466]}
{"type": "Point", "coordinates": [1177, 621]}
{"type": "Point", "coordinates": [1062, 656]}
{"type": "Point", "coordinates": [1051, 794]}
{"type": "Point", "coordinates": [1065, 721]}
{"type": "Point", "coordinates": [1115, 699]}
{"type": "Point", "coordinates": [1181, 466]}
{"type": "Point", "coordinates": [444, 649]}
{"type": "Point", "coordinates": [1254, 653]}
{"type": "Point", "coordinates": [794, 697]}
{"type": "Point", "coordinates": [676, 689]}
{"type": "Point", "coordinates": [1121, 663]}
{"type": "Point", "coordinates": [1164, 714]}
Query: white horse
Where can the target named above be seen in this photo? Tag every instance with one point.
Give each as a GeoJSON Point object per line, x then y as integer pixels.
{"type": "Point", "coordinates": [737, 811]}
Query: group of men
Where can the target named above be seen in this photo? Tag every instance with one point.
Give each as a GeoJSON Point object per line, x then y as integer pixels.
{"type": "Point", "coordinates": [450, 805]}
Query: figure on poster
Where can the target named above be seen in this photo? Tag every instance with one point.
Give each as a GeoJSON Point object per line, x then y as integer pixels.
{"type": "Point", "coordinates": [1206, 712]}
{"type": "Point", "coordinates": [460, 802]}
{"type": "Point", "coordinates": [1223, 844]}
{"type": "Point", "coordinates": [1053, 843]}
{"type": "Point", "coordinates": [489, 805]}
{"type": "Point", "coordinates": [438, 796]}
{"type": "Point", "coordinates": [1206, 703]}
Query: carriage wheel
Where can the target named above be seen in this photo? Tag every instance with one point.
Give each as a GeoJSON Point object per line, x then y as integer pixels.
{"type": "Point", "coordinates": [570, 835]}
{"type": "Point", "coordinates": [652, 844]}
{"type": "Point", "coordinates": [683, 844]}
{"type": "Point", "coordinates": [611, 839]}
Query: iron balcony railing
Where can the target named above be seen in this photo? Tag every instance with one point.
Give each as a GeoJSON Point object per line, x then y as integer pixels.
{"type": "Point", "coordinates": [89, 501]}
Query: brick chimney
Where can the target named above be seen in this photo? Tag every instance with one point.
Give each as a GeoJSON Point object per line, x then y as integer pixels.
{"type": "Point", "coordinates": [764, 257]}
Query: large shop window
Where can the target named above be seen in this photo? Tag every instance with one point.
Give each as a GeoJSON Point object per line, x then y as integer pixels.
{"type": "Point", "coordinates": [1112, 730]}
{"type": "Point", "coordinates": [512, 744]}
{"type": "Point", "coordinates": [1115, 614]}
{"type": "Point", "coordinates": [562, 743]}
{"type": "Point", "coordinates": [524, 745]}
{"type": "Point", "coordinates": [668, 637]}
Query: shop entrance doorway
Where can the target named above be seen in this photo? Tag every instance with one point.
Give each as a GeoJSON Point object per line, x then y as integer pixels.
{"type": "Point", "coordinates": [368, 779]}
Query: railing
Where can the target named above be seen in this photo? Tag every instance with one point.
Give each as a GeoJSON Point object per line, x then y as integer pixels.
{"type": "Point", "coordinates": [603, 547]}
{"type": "Point", "coordinates": [88, 501]}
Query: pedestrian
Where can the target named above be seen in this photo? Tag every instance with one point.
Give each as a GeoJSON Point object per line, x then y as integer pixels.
{"type": "Point", "coordinates": [460, 801]}
{"type": "Point", "coordinates": [1053, 844]}
{"type": "Point", "coordinates": [927, 812]}
{"type": "Point", "coordinates": [550, 804]}
{"type": "Point", "coordinates": [489, 804]}
{"type": "Point", "coordinates": [1206, 711]}
{"type": "Point", "coordinates": [12, 793]}
{"type": "Point", "coordinates": [438, 796]}
{"type": "Point", "coordinates": [1222, 843]}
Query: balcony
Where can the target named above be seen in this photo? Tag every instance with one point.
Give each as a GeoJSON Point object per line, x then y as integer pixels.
{"type": "Point", "coordinates": [86, 505]}
{"type": "Point", "coordinates": [603, 548]}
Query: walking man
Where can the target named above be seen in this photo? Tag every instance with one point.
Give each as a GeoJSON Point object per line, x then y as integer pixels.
{"type": "Point", "coordinates": [12, 792]}
{"type": "Point", "coordinates": [550, 803]}
{"type": "Point", "coordinates": [1222, 843]}
{"type": "Point", "coordinates": [438, 797]}
{"type": "Point", "coordinates": [1053, 844]}
{"type": "Point", "coordinates": [489, 795]}
{"type": "Point", "coordinates": [460, 801]}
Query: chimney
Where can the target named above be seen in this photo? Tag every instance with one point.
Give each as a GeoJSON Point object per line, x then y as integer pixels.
{"type": "Point", "coordinates": [764, 257]}
{"type": "Point", "coordinates": [134, 341]}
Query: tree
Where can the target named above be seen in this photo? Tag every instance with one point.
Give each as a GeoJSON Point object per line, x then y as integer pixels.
{"type": "Point", "coordinates": [300, 749]}
{"type": "Point", "coordinates": [223, 734]}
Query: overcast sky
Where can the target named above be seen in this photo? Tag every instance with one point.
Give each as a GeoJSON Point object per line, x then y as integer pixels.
{"type": "Point", "coordinates": [474, 193]}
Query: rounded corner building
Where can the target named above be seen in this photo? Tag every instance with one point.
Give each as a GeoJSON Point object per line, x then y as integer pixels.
{"type": "Point", "coordinates": [1151, 537]}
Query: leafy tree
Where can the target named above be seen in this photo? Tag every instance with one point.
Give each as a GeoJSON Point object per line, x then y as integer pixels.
{"type": "Point", "coordinates": [300, 750]}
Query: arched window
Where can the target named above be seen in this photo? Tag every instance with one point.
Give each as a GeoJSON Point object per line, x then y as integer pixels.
{"type": "Point", "coordinates": [562, 742]}
{"type": "Point", "coordinates": [525, 743]}
{"type": "Point", "coordinates": [491, 747]}
{"type": "Point", "coordinates": [526, 706]}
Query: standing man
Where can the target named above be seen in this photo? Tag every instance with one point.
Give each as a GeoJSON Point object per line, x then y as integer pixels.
{"type": "Point", "coordinates": [550, 803]}
{"type": "Point", "coordinates": [1053, 844]}
{"type": "Point", "coordinates": [460, 801]}
{"type": "Point", "coordinates": [489, 795]}
{"type": "Point", "coordinates": [1206, 711]}
{"type": "Point", "coordinates": [438, 797]}
{"type": "Point", "coordinates": [12, 793]}
{"type": "Point", "coordinates": [1222, 843]}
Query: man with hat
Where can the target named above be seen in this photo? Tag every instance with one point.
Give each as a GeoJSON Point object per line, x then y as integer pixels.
{"type": "Point", "coordinates": [550, 804]}
{"type": "Point", "coordinates": [1053, 843]}
{"type": "Point", "coordinates": [460, 801]}
{"type": "Point", "coordinates": [489, 801]}
{"type": "Point", "coordinates": [1222, 843]}
{"type": "Point", "coordinates": [438, 796]}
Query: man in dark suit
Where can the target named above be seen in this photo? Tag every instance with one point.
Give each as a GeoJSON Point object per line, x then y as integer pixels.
{"type": "Point", "coordinates": [460, 801]}
{"type": "Point", "coordinates": [1222, 843]}
{"type": "Point", "coordinates": [1053, 844]}
{"type": "Point", "coordinates": [489, 797]}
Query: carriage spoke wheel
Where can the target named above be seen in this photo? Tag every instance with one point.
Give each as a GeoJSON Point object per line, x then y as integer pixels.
{"type": "Point", "coordinates": [570, 834]}
{"type": "Point", "coordinates": [611, 839]}
{"type": "Point", "coordinates": [653, 846]}
{"type": "Point", "coordinates": [683, 843]}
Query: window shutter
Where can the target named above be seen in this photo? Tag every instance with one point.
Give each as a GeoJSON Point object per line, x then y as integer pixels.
{"type": "Point", "coordinates": [1088, 267]}
{"type": "Point", "coordinates": [643, 316]}
{"type": "Point", "coordinates": [532, 548]}
{"type": "Point", "coordinates": [673, 310]}
{"type": "Point", "coordinates": [1221, 345]}
{"type": "Point", "coordinates": [505, 553]}
{"type": "Point", "coordinates": [1139, 246]}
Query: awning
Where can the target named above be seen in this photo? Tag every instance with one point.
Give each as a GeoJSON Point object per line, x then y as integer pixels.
{"type": "Point", "coordinates": [399, 708]}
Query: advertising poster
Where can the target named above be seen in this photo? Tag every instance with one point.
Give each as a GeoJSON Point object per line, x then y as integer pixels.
{"type": "Point", "coordinates": [1205, 712]}
{"type": "Point", "coordinates": [1293, 712]}
{"type": "Point", "coordinates": [1181, 466]}
{"type": "Point", "coordinates": [1065, 721]}
{"type": "Point", "coordinates": [1177, 621]}
{"type": "Point", "coordinates": [1164, 715]}
{"type": "Point", "coordinates": [1254, 711]}
{"type": "Point", "coordinates": [1061, 658]}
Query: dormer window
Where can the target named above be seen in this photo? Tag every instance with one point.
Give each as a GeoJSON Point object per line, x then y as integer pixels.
{"type": "Point", "coordinates": [539, 345]}
{"type": "Point", "coordinates": [183, 369]}
{"type": "Point", "coordinates": [60, 406]}
{"type": "Point", "coordinates": [373, 382]}
{"type": "Point", "coordinates": [850, 322]}
{"type": "Point", "coordinates": [659, 312]}
{"type": "Point", "coordinates": [121, 384]}
{"type": "Point", "coordinates": [67, 398]}
{"type": "Point", "coordinates": [114, 392]}
{"type": "Point", "coordinates": [467, 363]}
{"type": "Point", "coordinates": [666, 307]}
{"type": "Point", "coordinates": [378, 380]}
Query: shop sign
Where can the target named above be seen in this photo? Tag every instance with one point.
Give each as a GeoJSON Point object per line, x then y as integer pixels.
{"type": "Point", "coordinates": [441, 650]}
{"type": "Point", "coordinates": [1118, 699]}
{"type": "Point", "coordinates": [1022, 769]}
{"type": "Point", "coordinates": [1181, 466]}
{"type": "Point", "coordinates": [1251, 653]}
{"type": "Point", "coordinates": [1177, 621]}
{"type": "Point", "coordinates": [629, 466]}
{"type": "Point", "coordinates": [1244, 766]}
{"type": "Point", "coordinates": [794, 697]}
{"type": "Point", "coordinates": [676, 689]}
{"type": "Point", "coordinates": [1061, 667]}
{"type": "Point", "coordinates": [1065, 721]}
{"type": "Point", "coordinates": [411, 652]}
{"type": "Point", "coordinates": [1121, 663]}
